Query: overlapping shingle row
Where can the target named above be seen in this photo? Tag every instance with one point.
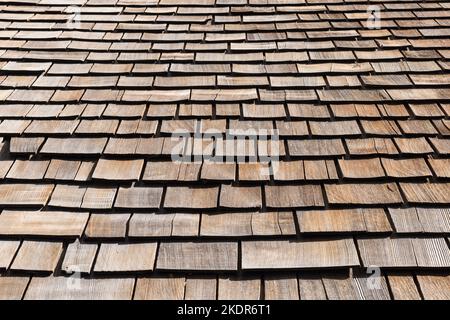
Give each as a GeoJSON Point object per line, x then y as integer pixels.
{"type": "Point", "coordinates": [224, 149]}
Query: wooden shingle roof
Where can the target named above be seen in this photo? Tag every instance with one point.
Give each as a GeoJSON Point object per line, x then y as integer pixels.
{"type": "Point", "coordinates": [223, 149]}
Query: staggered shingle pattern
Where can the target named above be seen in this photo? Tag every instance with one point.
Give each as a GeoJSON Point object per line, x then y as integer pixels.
{"type": "Point", "coordinates": [91, 94]}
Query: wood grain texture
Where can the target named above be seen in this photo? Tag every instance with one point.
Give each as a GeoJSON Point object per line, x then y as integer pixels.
{"type": "Point", "coordinates": [284, 254]}
{"type": "Point", "coordinates": [195, 198]}
{"type": "Point", "coordinates": [434, 287]}
{"type": "Point", "coordinates": [293, 196]}
{"type": "Point", "coordinates": [25, 194]}
{"type": "Point", "coordinates": [43, 223]}
{"type": "Point", "coordinates": [13, 288]}
{"type": "Point", "coordinates": [107, 226]}
{"type": "Point", "coordinates": [37, 256]}
{"type": "Point", "coordinates": [331, 221]}
{"type": "Point", "coordinates": [239, 288]}
{"type": "Point", "coordinates": [61, 288]}
{"type": "Point", "coordinates": [387, 252]}
{"type": "Point", "coordinates": [197, 256]}
{"type": "Point", "coordinates": [356, 288]}
{"type": "Point", "coordinates": [386, 193]}
{"type": "Point", "coordinates": [226, 224]}
{"type": "Point", "coordinates": [160, 288]}
{"type": "Point", "coordinates": [403, 287]}
{"type": "Point", "coordinates": [8, 250]}
{"type": "Point", "coordinates": [114, 257]}
{"type": "Point", "coordinates": [240, 197]}
{"type": "Point", "coordinates": [79, 257]}
{"type": "Point", "coordinates": [431, 252]}
{"type": "Point", "coordinates": [281, 288]}
{"type": "Point", "coordinates": [146, 198]}
{"type": "Point", "coordinates": [311, 288]}
{"type": "Point", "coordinates": [201, 288]}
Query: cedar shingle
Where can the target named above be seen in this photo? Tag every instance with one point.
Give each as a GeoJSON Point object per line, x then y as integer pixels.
{"type": "Point", "coordinates": [358, 287]}
{"type": "Point", "coordinates": [294, 196]}
{"type": "Point", "coordinates": [239, 289]}
{"type": "Point", "coordinates": [160, 288]}
{"type": "Point", "coordinates": [434, 287]}
{"type": "Point", "coordinates": [118, 169]}
{"type": "Point", "coordinates": [331, 221]}
{"type": "Point", "coordinates": [98, 198]}
{"type": "Point", "coordinates": [432, 193]}
{"type": "Point", "coordinates": [240, 197]}
{"type": "Point", "coordinates": [8, 250]}
{"type": "Point", "coordinates": [43, 223]}
{"type": "Point", "coordinates": [107, 226]}
{"type": "Point", "coordinates": [37, 256]}
{"type": "Point", "coordinates": [329, 147]}
{"type": "Point", "coordinates": [285, 254]}
{"type": "Point", "coordinates": [226, 224]}
{"type": "Point", "coordinates": [79, 257]}
{"type": "Point", "coordinates": [405, 168]}
{"type": "Point", "coordinates": [387, 252]}
{"type": "Point", "coordinates": [114, 257]}
{"type": "Point", "coordinates": [25, 194]}
{"type": "Point", "coordinates": [191, 198]}
{"type": "Point", "coordinates": [367, 168]}
{"type": "Point", "coordinates": [386, 193]}
{"type": "Point", "coordinates": [403, 287]}
{"type": "Point", "coordinates": [200, 288]}
{"type": "Point", "coordinates": [13, 288]}
{"type": "Point", "coordinates": [215, 256]}
{"type": "Point", "coordinates": [55, 288]}
{"type": "Point", "coordinates": [28, 170]}
{"type": "Point", "coordinates": [138, 197]}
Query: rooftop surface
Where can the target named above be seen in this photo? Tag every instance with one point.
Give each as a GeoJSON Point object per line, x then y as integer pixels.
{"type": "Point", "coordinates": [224, 149]}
